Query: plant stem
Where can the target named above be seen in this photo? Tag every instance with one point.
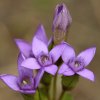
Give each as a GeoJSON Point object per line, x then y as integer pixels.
{"type": "Point", "coordinates": [28, 96]}
{"type": "Point", "coordinates": [48, 94]}
{"type": "Point", "coordinates": [61, 95]}
{"type": "Point", "coordinates": [54, 87]}
{"type": "Point", "coordinates": [39, 94]}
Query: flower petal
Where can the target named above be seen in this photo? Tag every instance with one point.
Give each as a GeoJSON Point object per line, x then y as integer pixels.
{"type": "Point", "coordinates": [24, 47]}
{"type": "Point", "coordinates": [10, 81]}
{"type": "Point", "coordinates": [41, 35]}
{"type": "Point", "coordinates": [68, 53]}
{"type": "Point", "coordinates": [28, 91]}
{"type": "Point", "coordinates": [50, 40]}
{"type": "Point", "coordinates": [62, 18]}
{"type": "Point", "coordinates": [57, 51]}
{"type": "Point", "coordinates": [22, 70]}
{"type": "Point", "coordinates": [30, 63]}
{"type": "Point", "coordinates": [38, 77]}
{"type": "Point", "coordinates": [52, 69]}
{"type": "Point", "coordinates": [65, 70]}
{"type": "Point", "coordinates": [68, 73]}
{"type": "Point", "coordinates": [86, 74]}
{"type": "Point", "coordinates": [87, 55]}
{"type": "Point", "coordinates": [38, 46]}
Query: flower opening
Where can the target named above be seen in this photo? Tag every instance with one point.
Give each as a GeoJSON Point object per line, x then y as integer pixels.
{"type": "Point", "coordinates": [44, 59]}
{"type": "Point", "coordinates": [26, 83]}
{"type": "Point", "coordinates": [76, 64]}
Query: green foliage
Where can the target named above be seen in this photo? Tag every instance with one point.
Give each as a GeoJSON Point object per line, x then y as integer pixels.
{"type": "Point", "coordinates": [43, 93]}
{"type": "Point", "coordinates": [30, 96]}
{"type": "Point", "coordinates": [69, 82]}
{"type": "Point", "coordinates": [36, 96]}
{"type": "Point", "coordinates": [46, 80]}
{"type": "Point", "coordinates": [67, 96]}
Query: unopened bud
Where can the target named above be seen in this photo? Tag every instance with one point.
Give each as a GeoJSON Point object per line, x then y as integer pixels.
{"type": "Point", "coordinates": [61, 22]}
{"type": "Point", "coordinates": [62, 18]}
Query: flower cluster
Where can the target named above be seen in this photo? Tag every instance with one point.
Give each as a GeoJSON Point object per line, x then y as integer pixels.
{"type": "Point", "coordinates": [36, 56]}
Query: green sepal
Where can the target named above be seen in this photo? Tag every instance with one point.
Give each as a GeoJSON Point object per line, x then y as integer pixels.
{"type": "Point", "coordinates": [46, 79]}
{"type": "Point", "coordinates": [43, 93]}
{"type": "Point", "coordinates": [67, 96]}
{"type": "Point", "coordinates": [36, 96]}
{"type": "Point", "coordinates": [29, 96]}
{"type": "Point", "coordinates": [69, 82]}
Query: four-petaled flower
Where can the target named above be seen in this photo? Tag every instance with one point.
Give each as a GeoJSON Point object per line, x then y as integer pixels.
{"type": "Point", "coordinates": [43, 59]}
{"type": "Point", "coordinates": [26, 48]}
{"type": "Point", "coordinates": [37, 54]}
{"type": "Point", "coordinates": [23, 83]}
{"type": "Point", "coordinates": [77, 64]}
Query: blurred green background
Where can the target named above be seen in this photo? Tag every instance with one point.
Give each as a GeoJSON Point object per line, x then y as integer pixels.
{"type": "Point", "coordinates": [20, 18]}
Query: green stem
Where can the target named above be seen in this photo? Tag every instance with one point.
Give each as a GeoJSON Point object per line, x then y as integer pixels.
{"type": "Point", "coordinates": [54, 87]}
{"type": "Point", "coordinates": [39, 94]}
{"type": "Point", "coordinates": [28, 96]}
{"type": "Point", "coordinates": [61, 95]}
{"type": "Point", "coordinates": [48, 94]}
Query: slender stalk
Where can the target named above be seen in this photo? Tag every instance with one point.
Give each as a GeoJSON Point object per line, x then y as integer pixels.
{"type": "Point", "coordinates": [59, 35]}
{"type": "Point", "coordinates": [28, 96]}
{"type": "Point", "coordinates": [39, 94]}
{"type": "Point", "coordinates": [54, 87]}
{"type": "Point", "coordinates": [61, 95]}
{"type": "Point", "coordinates": [48, 94]}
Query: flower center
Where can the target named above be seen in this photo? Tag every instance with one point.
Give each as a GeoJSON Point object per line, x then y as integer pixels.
{"type": "Point", "coordinates": [26, 83]}
{"type": "Point", "coordinates": [44, 59]}
{"type": "Point", "coordinates": [76, 64]}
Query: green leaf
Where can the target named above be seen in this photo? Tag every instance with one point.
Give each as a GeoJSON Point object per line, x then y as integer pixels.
{"type": "Point", "coordinates": [46, 79]}
{"type": "Point", "coordinates": [43, 93]}
{"type": "Point", "coordinates": [29, 96]}
{"type": "Point", "coordinates": [69, 82]}
{"type": "Point", "coordinates": [36, 96]}
{"type": "Point", "coordinates": [67, 96]}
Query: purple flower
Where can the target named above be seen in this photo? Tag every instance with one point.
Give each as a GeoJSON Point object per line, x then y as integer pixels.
{"type": "Point", "coordinates": [77, 64]}
{"type": "Point", "coordinates": [23, 83]}
{"type": "Point", "coordinates": [37, 55]}
{"type": "Point", "coordinates": [43, 59]}
{"type": "Point", "coordinates": [26, 48]}
{"type": "Point", "coordinates": [62, 18]}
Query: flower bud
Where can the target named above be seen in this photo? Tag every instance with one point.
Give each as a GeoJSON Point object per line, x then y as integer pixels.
{"type": "Point", "coordinates": [61, 22]}
{"type": "Point", "coordinates": [62, 18]}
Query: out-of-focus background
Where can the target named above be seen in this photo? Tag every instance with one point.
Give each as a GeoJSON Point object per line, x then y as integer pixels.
{"type": "Point", "coordinates": [20, 18]}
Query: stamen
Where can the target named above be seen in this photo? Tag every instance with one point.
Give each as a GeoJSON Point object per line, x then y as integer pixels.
{"type": "Point", "coordinates": [44, 59]}
{"type": "Point", "coordinates": [25, 81]}
{"type": "Point", "coordinates": [77, 63]}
